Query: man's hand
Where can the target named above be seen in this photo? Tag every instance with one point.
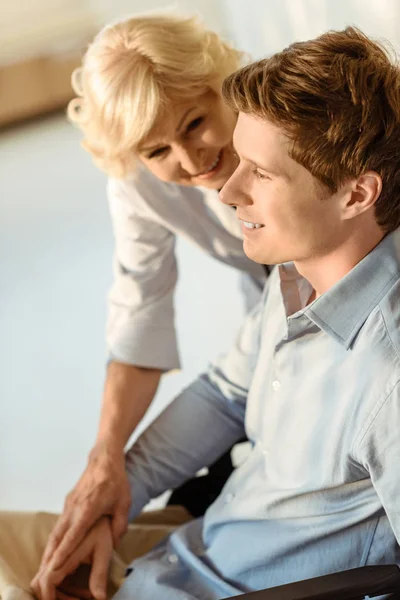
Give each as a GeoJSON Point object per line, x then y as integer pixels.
{"type": "Point", "coordinates": [102, 490]}
{"type": "Point", "coordinates": [72, 580]}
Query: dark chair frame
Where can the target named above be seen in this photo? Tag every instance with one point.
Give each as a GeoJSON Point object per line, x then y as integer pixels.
{"type": "Point", "coordinates": [354, 584]}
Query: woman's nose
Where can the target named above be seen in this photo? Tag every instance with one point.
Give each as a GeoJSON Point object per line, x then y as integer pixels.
{"type": "Point", "coordinates": [192, 160]}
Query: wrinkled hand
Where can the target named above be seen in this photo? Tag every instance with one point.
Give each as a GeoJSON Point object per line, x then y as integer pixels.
{"type": "Point", "coordinates": [103, 490]}
{"type": "Point", "coordinates": [74, 579]}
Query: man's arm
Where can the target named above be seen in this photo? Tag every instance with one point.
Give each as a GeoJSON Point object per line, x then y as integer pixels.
{"type": "Point", "coordinates": [192, 432]}
{"type": "Point", "coordinates": [199, 425]}
{"type": "Point", "coordinates": [379, 452]}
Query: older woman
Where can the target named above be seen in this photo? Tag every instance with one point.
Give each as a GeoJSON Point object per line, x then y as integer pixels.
{"type": "Point", "coordinates": [150, 107]}
{"type": "Point", "coordinates": [152, 115]}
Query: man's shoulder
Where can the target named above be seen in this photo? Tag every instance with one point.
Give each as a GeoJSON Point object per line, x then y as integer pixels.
{"type": "Point", "coordinates": [375, 352]}
{"type": "Point", "coordinates": [389, 309]}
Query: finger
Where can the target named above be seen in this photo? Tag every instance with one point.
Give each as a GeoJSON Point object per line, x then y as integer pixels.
{"type": "Point", "coordinates": [49, 585]}
{"type": "Point", "coordinates": [73, 537]}
{"type": "Point", "coordinates": [42, 587]}
{"type": "Point", "coordinates": [48, 579]}
{"type": "Point", "coordinates": [100, 566]}
{"type": "Point", "coordinates": [119, 522]}
{"type": "Point", "coordinates": [35, 587]}
{"type": "Point", "coordinates": [55, 537]}
{"type": "Point", "coordinates": [38, 584]}
{"type": "Point", "coordinates": [58, 574]}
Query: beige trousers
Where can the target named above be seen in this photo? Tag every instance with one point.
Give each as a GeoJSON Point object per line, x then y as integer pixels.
{"type": "Point", "coordinates": [23, 537]}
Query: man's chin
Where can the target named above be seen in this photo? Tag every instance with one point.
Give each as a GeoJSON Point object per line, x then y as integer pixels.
{"type": "Point", "coordinates": [256, 254]}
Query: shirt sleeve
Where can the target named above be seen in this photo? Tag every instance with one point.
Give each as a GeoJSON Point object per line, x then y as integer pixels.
{"type": "Point", "coordinates": [141, 319]}
{"type": "Point", "coordinates": [379, 453]}
{"type": "Point", "coordinates": [202, 423]}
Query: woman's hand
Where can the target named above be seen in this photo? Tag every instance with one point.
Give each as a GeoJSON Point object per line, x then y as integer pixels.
{"type": "Point", "coordinates": [103, 490]}
{"type": "Point", "coordinates": [84, 574]}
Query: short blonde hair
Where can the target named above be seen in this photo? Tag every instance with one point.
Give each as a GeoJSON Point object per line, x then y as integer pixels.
{"type": "Point", "coordinates": [132, 70]}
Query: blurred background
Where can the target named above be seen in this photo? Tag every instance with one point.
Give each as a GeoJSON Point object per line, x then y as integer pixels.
{"type": "Point", "coordinates": [55, 235]}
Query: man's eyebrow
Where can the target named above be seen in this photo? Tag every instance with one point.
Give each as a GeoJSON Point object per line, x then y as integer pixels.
{"type": "Point", "coordinates": [273, 170]}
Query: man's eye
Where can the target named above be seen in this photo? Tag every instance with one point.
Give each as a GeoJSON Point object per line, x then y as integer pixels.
{"type": "Point", "coordinates": [194, 124]}
{"type": "Point", "coordinates": [260, 175]}
{"type": "Point", "coordinates": [158, 152]}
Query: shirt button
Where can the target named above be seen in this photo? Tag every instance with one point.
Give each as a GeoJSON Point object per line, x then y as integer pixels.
{"type": "Point", "coordinates": [276, 385]}
{"type": "Point", "coordinates": [172, 559]}
{"type": "Point", "coordinates": [265, 452]}
{"type": "Point", "coordinates": [229, 498]}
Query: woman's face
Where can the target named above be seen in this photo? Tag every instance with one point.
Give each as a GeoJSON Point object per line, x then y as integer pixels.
{"type": "Point", "coordinates": [191, 144]}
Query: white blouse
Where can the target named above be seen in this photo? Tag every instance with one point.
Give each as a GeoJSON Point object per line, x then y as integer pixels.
{"type": "Point", "coordinates": [147, 214]}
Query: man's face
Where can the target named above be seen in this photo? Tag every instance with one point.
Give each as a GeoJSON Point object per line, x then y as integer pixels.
{"type": "Point", "coordinates": [286, 214]}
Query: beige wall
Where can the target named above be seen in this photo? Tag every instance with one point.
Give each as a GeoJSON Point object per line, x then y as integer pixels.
{"type": "Point", "coordinates": [42, 41]}
{"type": "Point", "coordinates": [209, 9]}
{"type": "Point", "coordinates": [36, 27]}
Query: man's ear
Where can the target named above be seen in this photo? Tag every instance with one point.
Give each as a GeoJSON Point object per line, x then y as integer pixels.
{"type": "Point", "coordinates": [362, 194]}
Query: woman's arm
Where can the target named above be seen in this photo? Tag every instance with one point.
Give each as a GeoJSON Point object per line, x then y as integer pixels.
{"type": "Point", "coordinates": [128, 393]}
{"type": "Point", "coordinates": [142, 344]}
{"type": "Point", "coordinates": [103, 488]}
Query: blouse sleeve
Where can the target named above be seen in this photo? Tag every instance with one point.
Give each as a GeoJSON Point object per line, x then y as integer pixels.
{"type": "Point", "coordinates": [141, 320]}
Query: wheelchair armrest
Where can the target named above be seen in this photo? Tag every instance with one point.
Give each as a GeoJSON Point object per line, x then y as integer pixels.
{"type": "Point", "coordinates": [345, 585]}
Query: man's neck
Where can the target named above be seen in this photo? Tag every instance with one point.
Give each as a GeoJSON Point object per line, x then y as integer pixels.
{"type": "Point", "coordinates": [323, 272]}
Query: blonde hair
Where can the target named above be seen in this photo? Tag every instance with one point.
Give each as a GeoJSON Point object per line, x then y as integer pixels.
{"type": "Point", "coordinates": [132, 71]}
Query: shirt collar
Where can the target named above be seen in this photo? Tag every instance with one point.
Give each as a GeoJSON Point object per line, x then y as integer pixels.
{"type": "Point", "coordinates": [344, 308]}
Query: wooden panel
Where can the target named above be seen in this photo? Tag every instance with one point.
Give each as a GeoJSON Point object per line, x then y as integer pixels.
{"type": "Point", "coordinates": [32, 28]}
{"type": "Point", "coordinates": [35, 86]}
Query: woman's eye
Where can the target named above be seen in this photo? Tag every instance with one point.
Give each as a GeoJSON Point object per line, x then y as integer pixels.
{"type": "Point", "coordinates": [158, 152]}
{"type": "Point", "coordinates": [194, 124]}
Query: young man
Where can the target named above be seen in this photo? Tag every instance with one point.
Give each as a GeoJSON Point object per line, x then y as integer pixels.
{"type": "Point", "coordinates": [313, 379]}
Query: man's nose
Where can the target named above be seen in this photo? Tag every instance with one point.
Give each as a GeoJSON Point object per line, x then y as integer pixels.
{"type": "Point", "coordinates": [232, 193]}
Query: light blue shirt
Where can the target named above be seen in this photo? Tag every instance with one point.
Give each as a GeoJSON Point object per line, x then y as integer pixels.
{"type": "Point", "coordinates": [316, 389]}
